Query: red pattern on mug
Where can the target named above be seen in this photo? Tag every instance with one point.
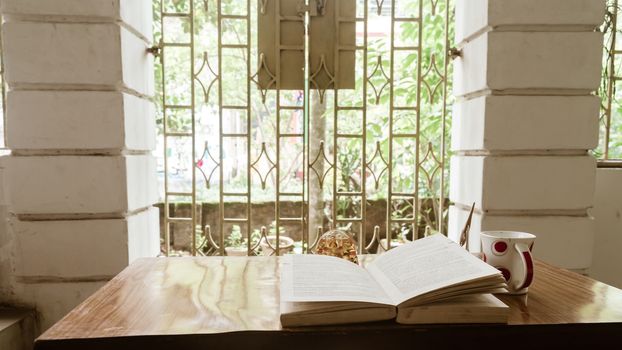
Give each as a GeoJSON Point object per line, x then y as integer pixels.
{"type": "Point", "coordinates": [499, 247]}
{"type": "Point", "coordinates": [510, 253]}
{"type": "Point", "coordinates": [529, 277]}
{"type": "Point", "coordinates": [505, 272]}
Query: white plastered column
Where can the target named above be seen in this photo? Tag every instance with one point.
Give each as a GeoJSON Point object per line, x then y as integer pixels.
{"type": "Point", "coordinates": [81, 181]}
{"type": "Point", "coordinates": [525, 120]}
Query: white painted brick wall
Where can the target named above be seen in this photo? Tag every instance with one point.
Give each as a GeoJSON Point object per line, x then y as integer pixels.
{"type": "Point", "coordinates": [3, 185]}
{"type": "Point", "coordinates": [473, 16]}
{"type": "Point", "coordinates": [6, 253]}
{"type": "Point", "coordinates": [139, 115]}
{"type": "Point", "coordinates": [139, 15]}
{"type": "Point", "coordinates": [91, 8]}
{"type": "Point", "coordinates": [140, 181]}
{"type": "Point", "coordinates": [529, 60]}
{"type": "Point", "coordinates": [52, 301]}
{"type": "Point", "coordinates": [470, 69]}
{"type": "Point", "coordinates": [70, 249]}
{"type": "Point", "coordinates": [137, 64]}
{"type": "Point", "coordinates": [74, 68]}
{"type": "Point", "coordinates": [71, 120]}
{"type": "Point", "coordinates": [523, 182]}
{"type": "Point", "coordinates": [58, 53]}
{"type": "Point", "coordinates": [526, 123]}
{"type": "Point", "coordinates": [607, 212]}
{"type": "Point", "coordinates": [83, 248]}
{"type": "Point", "coordinates": [143, 235]}
{"type": "Point", "coordinates": [136, 13]}
{"type": "Point", "coordinates": [81, 184]}
{"type": "Point", "coordinates": [565, 241]}
{"type": "Point", "coordinates": [527, 71]}
{"type": "Point", "coordinates": [74, 54]}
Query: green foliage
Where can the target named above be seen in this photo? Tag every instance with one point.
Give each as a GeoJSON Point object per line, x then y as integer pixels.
{"type": "Point", "coordinates": [410, 156]}
{"type": "Point", "coordinates": [611, 67]}
{"type": "Point", "coordinates": [237, 240]}
{"type": "Point", "coordinates": [271, 231]}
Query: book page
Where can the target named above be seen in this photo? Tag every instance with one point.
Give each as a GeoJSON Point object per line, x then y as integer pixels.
{"type": "Point", "coordinates": [326, 278]}
{"type": "Point", "coordinates": [426, 265]}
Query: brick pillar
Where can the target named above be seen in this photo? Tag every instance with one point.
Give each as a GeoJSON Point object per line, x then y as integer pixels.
{"type": "Point", "coordinates": [525, 120]}
{"type": "Point", "coordinates": [81, 179]}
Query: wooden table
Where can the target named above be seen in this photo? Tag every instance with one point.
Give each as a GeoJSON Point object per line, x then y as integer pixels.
{"type": "Point", "coordinates": [233, 302]}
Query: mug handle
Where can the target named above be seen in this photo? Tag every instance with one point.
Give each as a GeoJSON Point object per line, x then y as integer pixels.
{"type": "Point", "coordinates": [527, 261]}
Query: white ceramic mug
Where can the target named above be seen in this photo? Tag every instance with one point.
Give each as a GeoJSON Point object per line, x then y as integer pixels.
{"type": "Point", "coordinates": [510, 252]}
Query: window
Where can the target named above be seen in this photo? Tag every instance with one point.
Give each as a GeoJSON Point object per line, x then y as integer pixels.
{"type": "Point", "coordinates": [610, 145]}
{"type": "Point", "coordinates": [3, 147]}
{"type": "Point", "coordinates": [238, 159]}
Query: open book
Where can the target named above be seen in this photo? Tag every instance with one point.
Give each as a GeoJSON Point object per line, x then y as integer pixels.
{"type": "Point", "coordinates": [432, 275]}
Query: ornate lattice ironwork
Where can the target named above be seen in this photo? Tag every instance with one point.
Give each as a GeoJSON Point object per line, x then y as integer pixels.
{"type": "Point", "coordinates": [325, 157]}
{"type": "Point", "coordinates": [610, 148]}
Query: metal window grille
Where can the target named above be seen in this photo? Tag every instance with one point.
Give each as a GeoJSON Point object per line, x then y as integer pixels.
{"type": "Point", "coordinates": [3, 147]}
{"type": "Point", "coordinates": [320, 159]}
{"type": "Point", "coordinates": [610, 146]}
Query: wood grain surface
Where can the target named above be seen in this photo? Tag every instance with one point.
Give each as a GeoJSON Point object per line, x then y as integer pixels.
{"type": "Point", "coordinates": [156, 301]}
{"type": "Point", "coordinates": [559, 296]}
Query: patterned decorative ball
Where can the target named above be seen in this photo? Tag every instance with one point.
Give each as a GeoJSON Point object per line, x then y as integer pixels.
{"type": "Point", "coordinates": [339, 244]}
